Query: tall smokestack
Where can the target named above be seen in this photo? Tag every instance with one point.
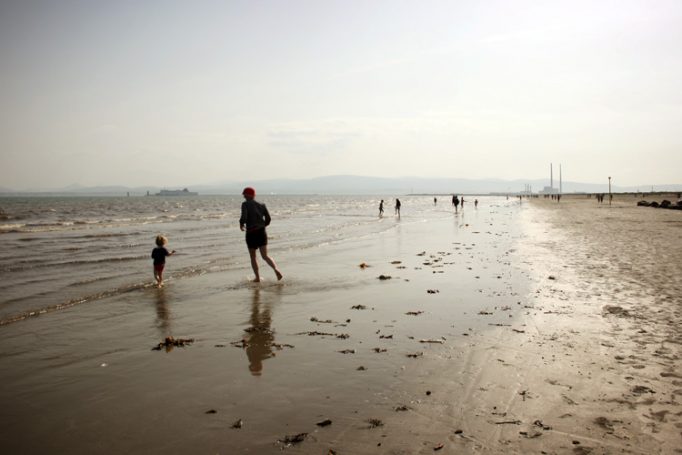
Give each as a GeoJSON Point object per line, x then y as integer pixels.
{"type": "Point", "coordinates": [560, 181]}
{"type": "Point", "coordinates": [551, 176]}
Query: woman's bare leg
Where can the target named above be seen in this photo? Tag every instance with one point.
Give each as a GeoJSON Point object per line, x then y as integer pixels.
{"type": "Point", "coordinates": [254, 265]}
{"type": "Point", "coordinates": [268, 259]}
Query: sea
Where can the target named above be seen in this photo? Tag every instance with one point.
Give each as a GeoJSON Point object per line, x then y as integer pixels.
{"type": "Point", "coordinates": [59, 252]}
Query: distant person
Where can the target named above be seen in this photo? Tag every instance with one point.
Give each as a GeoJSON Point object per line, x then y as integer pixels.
{"type": "Point", "coordinates": [159, 255]}
{"type": "Point", "coordinates": [558, 198]}
{"type": "Point", "coordinates": [255, 217]}
{"type": "Point", "coordinates": [455, 202]}
{"type": "Point", "coordinates": [461, 200]}
{"type": "Point", "coordinates": [475, 203]}
{"type": "Point", "coordinates": [397, 207]}
{"type": "Point", "coordinates": [435, 201]}
{"type": "Point", "coordinates": [381, 208]}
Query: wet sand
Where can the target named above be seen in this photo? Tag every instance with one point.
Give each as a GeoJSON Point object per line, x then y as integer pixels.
{"type": "Point", "coordinates": [508, 329]}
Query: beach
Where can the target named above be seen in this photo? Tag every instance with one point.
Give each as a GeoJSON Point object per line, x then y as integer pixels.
{"type": "Point", "coordinates": [518, 327]}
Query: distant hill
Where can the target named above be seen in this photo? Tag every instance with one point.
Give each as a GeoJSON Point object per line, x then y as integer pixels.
{"type": "Point", "coordinates": [349, 184]}
{"type": "Point", "coordinates": [353, 184]}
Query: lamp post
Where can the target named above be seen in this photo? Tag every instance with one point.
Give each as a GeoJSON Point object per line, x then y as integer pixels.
{"type": "Point", "coordinates": [610, 196]}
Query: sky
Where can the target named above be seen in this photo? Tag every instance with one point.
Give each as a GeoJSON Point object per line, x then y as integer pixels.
{"type": "Point", "coordinates": [169, 93]}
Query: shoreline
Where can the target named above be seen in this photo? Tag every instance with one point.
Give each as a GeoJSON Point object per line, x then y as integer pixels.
{"type": "Point", "coordinates": [491, 379]}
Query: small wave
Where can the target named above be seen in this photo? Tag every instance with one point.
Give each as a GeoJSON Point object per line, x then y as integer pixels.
{"type": "Point", "coordinates": [71, 303]}
{"type": "Point", "coordinates": [30, 265]}
{"type": "Point", "coordinates": [107, 235]}
{"type": "Point", "coordinates": [7, 228]}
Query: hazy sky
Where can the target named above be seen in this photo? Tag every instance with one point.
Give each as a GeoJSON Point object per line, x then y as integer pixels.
{"type": "Point", "coordinates": [184, 92]}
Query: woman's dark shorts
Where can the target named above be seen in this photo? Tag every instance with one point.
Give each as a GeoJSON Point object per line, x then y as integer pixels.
{"type": "Point", "coordinates": [256, 239]}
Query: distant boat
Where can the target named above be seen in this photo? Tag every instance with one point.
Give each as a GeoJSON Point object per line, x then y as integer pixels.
{"type": "Point", "coordinates": [183, 192]}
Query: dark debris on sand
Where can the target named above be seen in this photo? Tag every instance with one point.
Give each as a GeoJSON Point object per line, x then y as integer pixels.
{"type": "Point", "coordinates": [170, 342]}
{"type": "Point", "coordinates": [375, 423]}
{"type": "Point", "coordinates": [615, 310]}
{"type": "Point", "coordinates": [289, 440]}
{"type": "Point", "coordinates": [313, 333]}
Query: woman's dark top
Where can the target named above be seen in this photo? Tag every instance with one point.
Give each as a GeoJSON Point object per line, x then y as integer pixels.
{"type": "Point", "coordinates": [254, 215]}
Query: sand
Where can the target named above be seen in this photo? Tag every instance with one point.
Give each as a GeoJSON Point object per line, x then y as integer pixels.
{"type": "Point", "coordinates": [520, 328]}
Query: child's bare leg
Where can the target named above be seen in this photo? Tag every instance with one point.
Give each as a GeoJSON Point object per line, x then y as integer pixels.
{"type": "Point", "coordinates": [271, 263]}
{"type": "Point", "coordinates": [254, 265]}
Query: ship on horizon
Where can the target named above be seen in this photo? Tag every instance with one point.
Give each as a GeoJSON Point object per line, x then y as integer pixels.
{"type": "Point", "coordinates": [182, 192]}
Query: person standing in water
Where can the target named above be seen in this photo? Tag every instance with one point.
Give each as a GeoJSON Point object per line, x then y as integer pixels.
{"type": "Point", "coordinates": [381, 208]}
{"type": "Point", "coordinates": [455, 202]}
{"type": "Point", "coordinates": [475, 203]}
{"type": "Point", "coordinates": [255, 217]}
{"type": "Point", "coordinates": [397, 207]}
{"type": "Point", "coordinates": [159, 255]}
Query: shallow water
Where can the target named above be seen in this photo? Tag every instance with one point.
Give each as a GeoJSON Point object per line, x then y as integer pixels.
{"type": "Point", "coordinates": [57, 252]}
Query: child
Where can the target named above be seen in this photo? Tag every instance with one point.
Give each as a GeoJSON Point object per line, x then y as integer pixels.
{"type": "Point", "coordinates": [159, 255]}
{"type": "Point", "coordinates": [254, 219]}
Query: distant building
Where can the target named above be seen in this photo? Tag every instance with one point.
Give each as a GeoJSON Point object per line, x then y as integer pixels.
{"type": "Point", "coordinates": [549, 190]}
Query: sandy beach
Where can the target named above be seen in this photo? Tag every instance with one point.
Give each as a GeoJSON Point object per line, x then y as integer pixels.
{"type": "Point", "coordinates": [530, 327]}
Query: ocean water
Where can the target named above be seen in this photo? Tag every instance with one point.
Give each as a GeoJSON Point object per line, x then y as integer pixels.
{"type": "Point", "coordinates": [58, 252]}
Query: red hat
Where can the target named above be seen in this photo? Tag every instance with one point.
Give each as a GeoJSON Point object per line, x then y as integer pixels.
{"type": "Point", "coordinates": [248, 191]}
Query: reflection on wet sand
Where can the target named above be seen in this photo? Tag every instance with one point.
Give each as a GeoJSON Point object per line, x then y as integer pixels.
{"type": "Point", "coordinates": [162, 313]}
{"type": "Point", "coordinates": [260, 340]}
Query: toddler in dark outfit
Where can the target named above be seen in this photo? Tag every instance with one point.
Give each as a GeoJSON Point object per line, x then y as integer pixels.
{"type": "Point", "coordinates": [159, 255]}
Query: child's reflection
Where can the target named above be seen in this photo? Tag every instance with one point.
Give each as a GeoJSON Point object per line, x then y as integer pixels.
{"type": "Point", "coordinates": [162, 313]}
{"type": "Point", "coordinates": [260, 337]}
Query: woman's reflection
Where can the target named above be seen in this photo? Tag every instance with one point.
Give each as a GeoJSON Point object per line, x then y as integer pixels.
{"type": "Point", "coordinates": [260, 340]}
